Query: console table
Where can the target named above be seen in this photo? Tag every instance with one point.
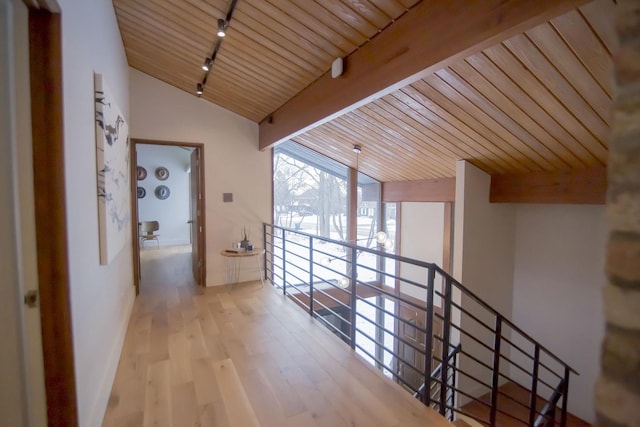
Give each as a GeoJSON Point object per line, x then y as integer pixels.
{"type": "Point", "coordinates": [234, 257]}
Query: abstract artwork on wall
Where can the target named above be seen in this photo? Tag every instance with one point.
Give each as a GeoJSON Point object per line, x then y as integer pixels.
{"type": "Point", "coordinates": [112, 158]}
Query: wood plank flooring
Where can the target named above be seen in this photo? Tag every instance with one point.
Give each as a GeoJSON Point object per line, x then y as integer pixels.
{"type": "Point", "coordinates": [242, 357]}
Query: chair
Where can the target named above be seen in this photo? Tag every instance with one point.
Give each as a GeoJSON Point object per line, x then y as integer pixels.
{"type": "Point", "coordinates": [147, 232]}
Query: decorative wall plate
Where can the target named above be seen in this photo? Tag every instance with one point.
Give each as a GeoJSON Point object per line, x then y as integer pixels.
{"type": "Point", "coordinates": [141, 172]}
{"type": "Point", "coordinates": [162, 192]}
{"type": "Point", "coordinates": [162, 173]}
{"type": "Point", "coordinates": [141, 192]}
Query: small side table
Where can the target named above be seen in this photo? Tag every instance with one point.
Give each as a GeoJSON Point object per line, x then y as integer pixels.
{"type": "Point", "coordinates": [233, 263]}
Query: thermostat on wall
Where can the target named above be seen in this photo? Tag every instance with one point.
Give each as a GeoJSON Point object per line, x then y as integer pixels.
{"type": "Point", "coordinates": [227, 197]}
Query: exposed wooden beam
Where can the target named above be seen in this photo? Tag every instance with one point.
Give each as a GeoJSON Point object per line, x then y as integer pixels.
{"type": "Point", "coordinates": [584, 186]}
{"type": "Point", "coordinates": [427, 38]}
{"type": "Point", "coordinates": [426, 190]}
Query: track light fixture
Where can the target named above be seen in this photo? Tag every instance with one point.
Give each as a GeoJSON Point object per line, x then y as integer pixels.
{"type": "Point", "coordinates": [223, 23]}
{"type": "Point", "coordinates": [222, 28]}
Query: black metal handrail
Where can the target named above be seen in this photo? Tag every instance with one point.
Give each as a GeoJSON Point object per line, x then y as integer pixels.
{"type": "Point", "coordinates": [443, 374]}
{"type": "Point", "coordinates": [407, 323]}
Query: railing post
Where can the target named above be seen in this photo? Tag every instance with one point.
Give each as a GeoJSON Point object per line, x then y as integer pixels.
{"type": "Point", "coordinates": [496, 371]}
{"type": "Point", "coordinates": [264, 239]}
{"type": "Point", "coordinates": [353, 277]}
{"type": "Point", "coordinates": [565, 392]}
{"type": "Point", "coordinates": [446, 337]}
{"type": "Point", "coordinates": [311, 276]}
{"type": "Point", "coordinates": [284, 264]}
{"type": "Point", "coordinates": [426, 397]}
{"type": "Point", "coordinates": [533, 399]}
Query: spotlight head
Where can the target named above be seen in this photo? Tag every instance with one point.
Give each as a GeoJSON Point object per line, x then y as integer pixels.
{"type": "Point", "coordinates": [207, 64]}
{"type": "Point", "coordinates": [222, 27]}
{"type": "Point", "coordinates": [199, 89]}
{"type": "Point", "coordinates": [357, 149]}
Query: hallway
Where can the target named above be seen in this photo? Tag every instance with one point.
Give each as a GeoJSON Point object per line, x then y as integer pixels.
{"type": "Point", "coordinates": [241, 357]}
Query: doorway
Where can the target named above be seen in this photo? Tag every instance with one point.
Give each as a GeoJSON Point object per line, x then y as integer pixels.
{"type": "Point", "coordinates": [168, 201]}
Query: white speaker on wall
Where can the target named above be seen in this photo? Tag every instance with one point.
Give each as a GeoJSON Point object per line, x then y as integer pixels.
{"type": "Point", "coordinates": [337, 68]}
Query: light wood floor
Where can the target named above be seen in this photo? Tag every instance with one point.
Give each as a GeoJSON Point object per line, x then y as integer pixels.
{"type": "Point", "coordinates": [242, 357]}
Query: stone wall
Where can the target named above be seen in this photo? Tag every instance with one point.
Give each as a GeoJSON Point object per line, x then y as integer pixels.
{"type": "Point", "coordinates": [618, 389]}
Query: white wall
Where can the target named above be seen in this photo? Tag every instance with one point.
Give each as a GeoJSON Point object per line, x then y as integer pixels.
{"type": "Point", "coordinates": [171, 213]}
{"type": "Point", "coordinates": [101, 296]}
{"type": "Point", "coordinates": [232, 162]}
{"type": "Point", "coordinates": [484, 238]}
{"type": "Point", "coordinates": [559, 272]}
{"type": "Point", "coordinates": [422, 233]}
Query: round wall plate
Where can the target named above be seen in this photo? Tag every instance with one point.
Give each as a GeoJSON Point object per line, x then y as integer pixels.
{"type": "Point", "coordinates": [162, 173]}
{"type": "Point", "coordinates": [162, 192]}
{"type": "Point", "coordinates": [141, 173]}
{"type": "Point", "coordinates": [141, 192]}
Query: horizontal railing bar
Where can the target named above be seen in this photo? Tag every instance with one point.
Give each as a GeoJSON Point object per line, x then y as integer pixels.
{"type": "Point", "coordinates": [295, 286]}
{"type": "Point", "coordinates": [340, 273]}
{"type": "Point", "coordinates": [300, 283]}
{"type": "Point", "coordinates": [288, 253]}
{"type": "Point", "coordinates": [397, 317]}
{"type": "Point", "coordinates": [380, 362]}
{"type": "Point", "coordinates": [361, 248]}
{"type": "Point", "coordinates": [453, 325]}
{"type": "Point", "coordinates": [293, 297]}
{"type": "Point", "coordinates": [471, 377]}
{"type": "Point", "coordinates": [331, 312]}
{"type": "Point", "coordinates": [489, 328]}
{"type": "Point", "coordinates": [395, 335]}
{"type": "Point", "coordinates": [391, 276]}
{"type": "Point", "coordinates": [387, 350]}
{"type": "Point", "coordinates": [331, 297]}
{"type": "Point", "coordinates": [469, 293]}
{"type": "Point", "coordinates": [329, 282]}
{"type": "Point", "coordinates": [275, 255]}
{"type": "Point", "coordinates": [327, 323]}
{"type": "Point", "coordinates": [391, 352]}
{"type": "Point", "coordinates": [293, 242]}
{"type": "Point", "coordinates": [390, 295]}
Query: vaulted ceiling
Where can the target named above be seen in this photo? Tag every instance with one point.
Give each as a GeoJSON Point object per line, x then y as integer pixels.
{"type": "Point", "coordinates": [536, 101]}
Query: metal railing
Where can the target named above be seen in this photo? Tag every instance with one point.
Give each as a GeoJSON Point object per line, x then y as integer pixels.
{"type": "Point", "coordinates": [420, 327]}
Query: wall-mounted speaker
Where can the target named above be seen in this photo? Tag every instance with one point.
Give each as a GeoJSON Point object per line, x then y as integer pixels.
{"type": "Point", "coordinates": [336, 68]}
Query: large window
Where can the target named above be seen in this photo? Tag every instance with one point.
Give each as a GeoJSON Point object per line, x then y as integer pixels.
{"type": "Point", "coordinates": [311, 196]}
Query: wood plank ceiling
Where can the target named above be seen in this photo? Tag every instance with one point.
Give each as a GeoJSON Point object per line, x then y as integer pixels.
{"type": "Point", "coordinates": [538, 101]}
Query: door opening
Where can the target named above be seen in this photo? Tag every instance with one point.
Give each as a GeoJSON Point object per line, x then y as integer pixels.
{"type": "Point", "coordinates": [168, 203]}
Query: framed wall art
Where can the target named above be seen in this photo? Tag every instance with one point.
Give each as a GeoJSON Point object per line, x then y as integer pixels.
{"type": "Point", "coordinates": [112, 161]}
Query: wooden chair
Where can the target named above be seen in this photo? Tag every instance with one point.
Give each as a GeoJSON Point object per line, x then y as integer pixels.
{"type": "Point", "coordinates": [147, 232]}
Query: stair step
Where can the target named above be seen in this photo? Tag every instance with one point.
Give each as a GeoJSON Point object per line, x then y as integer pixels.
{"type": "Point", "coordinates": [516, 411]}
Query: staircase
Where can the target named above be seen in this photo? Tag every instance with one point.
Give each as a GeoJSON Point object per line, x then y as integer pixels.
{"type": "Point", "coordinates": [423, 329]}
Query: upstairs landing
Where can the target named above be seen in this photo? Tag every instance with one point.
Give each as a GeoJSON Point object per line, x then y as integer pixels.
{"type": "Point", "coordinates": [242, 357]}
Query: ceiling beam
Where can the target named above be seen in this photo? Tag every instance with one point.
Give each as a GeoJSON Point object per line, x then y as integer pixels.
{"type": "Point", "coordinates": [426, 190]}
{"type": "Point", "coordinates": [583, 186]}
{"type": "Point", "coordinates": [425, 39]}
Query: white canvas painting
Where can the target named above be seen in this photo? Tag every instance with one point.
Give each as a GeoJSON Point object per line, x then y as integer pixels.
{"type": "Point", "coordinates": [112, 158]}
